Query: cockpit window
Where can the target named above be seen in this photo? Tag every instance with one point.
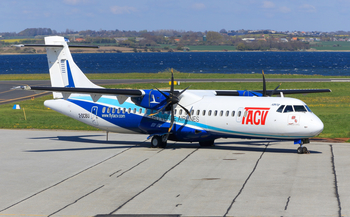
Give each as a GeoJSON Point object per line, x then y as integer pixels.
{"type": "Point", "coordinates": [280, 109]}
{"type": "Point", "coordinates": [288, 108]}
{"type": "Point", "coordinates": [299, 108]}
{"type": "Point", "coordinates": [307, 107]}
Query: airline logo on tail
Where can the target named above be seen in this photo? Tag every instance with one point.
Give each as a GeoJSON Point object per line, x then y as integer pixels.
{"type": "Point", "coordinates": [70, 77]}
{"type": "Point", "coordinates": [255, 116]}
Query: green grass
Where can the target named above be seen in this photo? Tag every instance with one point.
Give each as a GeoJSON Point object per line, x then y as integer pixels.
{"type": "Point", "coordinates": [38, 117]}
{"type": "Point", "coordinates": [332, 108]}
{"type": "Point", "coordinates": [331, 45]}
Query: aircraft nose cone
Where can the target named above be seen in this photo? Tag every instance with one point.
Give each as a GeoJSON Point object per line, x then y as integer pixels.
{"type": "Point", "coordinates": [316, 126]}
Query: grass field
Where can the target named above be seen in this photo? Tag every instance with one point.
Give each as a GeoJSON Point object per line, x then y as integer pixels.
{"type": "Point", "coordinates": [331, 45]}
{"type": "Point", "coordinates": [332, 108]}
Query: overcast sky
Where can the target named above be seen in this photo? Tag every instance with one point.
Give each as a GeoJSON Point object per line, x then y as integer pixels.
{"type": "Point", "coordinates": [195, 15]}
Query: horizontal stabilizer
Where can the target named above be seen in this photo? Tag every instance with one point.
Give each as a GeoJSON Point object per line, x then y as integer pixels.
{"type": "Point", "coordinates": [102, 91]}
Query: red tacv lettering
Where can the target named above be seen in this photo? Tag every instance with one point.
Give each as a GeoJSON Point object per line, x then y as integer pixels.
{"type": "Point", "coordinates": [255, 116]}
{"type": "Point", "coordinates": [256, 121]}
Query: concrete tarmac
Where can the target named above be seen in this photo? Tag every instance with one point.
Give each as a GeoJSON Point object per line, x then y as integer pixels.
{"type": "Point", "coordinates": [78, 173]}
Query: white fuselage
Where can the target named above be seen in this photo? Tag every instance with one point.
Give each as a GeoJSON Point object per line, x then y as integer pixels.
{"type": "Point", "coordinates": [220, 116]}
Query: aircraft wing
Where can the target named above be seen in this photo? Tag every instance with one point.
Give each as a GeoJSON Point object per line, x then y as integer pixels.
{"type": "Point", "coordinates": [296, 91]}
{"type": "Point", "coordinates": [268, 92]}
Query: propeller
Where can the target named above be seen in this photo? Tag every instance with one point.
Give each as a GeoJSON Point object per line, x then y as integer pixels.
{"type": "Point", "coordinates": [172, 99]}
{"type": "Point", "coordinates": [264, 86]}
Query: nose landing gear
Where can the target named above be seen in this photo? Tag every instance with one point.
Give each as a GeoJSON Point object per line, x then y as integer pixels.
{"type": "Point", "coordinates": [302, 149]}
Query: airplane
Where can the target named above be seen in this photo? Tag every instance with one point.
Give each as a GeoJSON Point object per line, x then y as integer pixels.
{"type": "Point", "coordinates": [177, 115]}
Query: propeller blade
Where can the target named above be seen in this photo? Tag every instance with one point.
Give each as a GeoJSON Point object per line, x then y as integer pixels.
{"type": "Point", "coordinates": [157, 112]}
{"type": "Point", "coordinates": [184, 90]}
{"type": "Point", "coordinates": [172, 119]}
{"type": "Point", "coordinates": [188, 112]}
{"type": "Point", "coordinates": [172, 83]}
{"type": "Point", "coordinates": [264, 84]}
{"type": "Point", "coordinates": [166, 96]}
{"type": "Point", "coordinates": [272, 92]}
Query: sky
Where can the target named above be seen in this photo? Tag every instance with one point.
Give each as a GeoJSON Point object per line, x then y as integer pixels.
{"type": "Point", "coordinates": [182, 15]}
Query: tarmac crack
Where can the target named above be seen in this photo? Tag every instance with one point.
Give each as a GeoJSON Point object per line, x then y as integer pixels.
{"type": "Point", "coordinates": [121, 206]}
{"type": "Point", "coordinates": [335, 182]}
{"type": "Point", "coordinates": [128, 169]}
{"type": "Point", "coordinates": [246, 181]}
{"type": "Point", "coordinates": [76, 200]}
{"type": "Point", "coordinates": [287, 203]}
{"type": "Point", "coordinates": [66, 179]}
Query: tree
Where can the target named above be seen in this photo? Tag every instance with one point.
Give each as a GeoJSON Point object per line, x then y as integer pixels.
{"type": "Point", "coordinates": [241, 46]}
{"type": "Point", "coordinates": [214, 37]}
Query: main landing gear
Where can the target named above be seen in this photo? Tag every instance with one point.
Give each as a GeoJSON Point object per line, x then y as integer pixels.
{"type": "Point", "coordinates": [159, 141]}
{"type": "Point", "coordinates": [302, 149]}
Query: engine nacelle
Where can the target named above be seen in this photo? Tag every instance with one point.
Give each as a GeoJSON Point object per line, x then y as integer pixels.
{"type": "Point", "coordinates": [152, 99]}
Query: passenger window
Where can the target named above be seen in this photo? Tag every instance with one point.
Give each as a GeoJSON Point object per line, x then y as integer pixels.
{"type": "Point", "coordinates": [221, 113]}
{"type": "Point", "coordinates": [280, 109]}
{"type": "Point", "coordinates": [104, 110]}
{"type": "Point", "coordinates": [180, 112]}
{"type": "Point", "coordinates": [109, 110]}
{"type": "Point", "coordinates": [134, 110]}
{"type": "Point", "coordinates": [227, 113]}
{"type": "Point", "coordinates": [118, 111]}
{"type": "Point", "coordinates": [215, 112]}
{"type": "Point", "coordinates": [113, 110]}
{"type": "Point", "coordinates": [124, 109]}
{"type": "Point", "coordinates": [239, 114]}
{"type": "Point", "coordinates": [198, 112]}
{"type": "Point", "coordinates": [233, 113]}
{"type": "Point", "coordinates": [140, 110]}
{"type": "Point", "coordinates": [209, 113]}
{"type": "Point", "coordinates": [175, 111]}
{"type": "Point", "coordinates": [299, 108]}
{"type": "Point", "coordinates": [288, 108]}
{"type": "Point", "coordinates": [203, 112]}
{"type": "Point", "coordinates": [192, 112]}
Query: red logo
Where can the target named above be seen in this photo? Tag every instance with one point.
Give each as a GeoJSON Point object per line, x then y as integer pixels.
{"type": "Point", "coordinates": [255, 116]}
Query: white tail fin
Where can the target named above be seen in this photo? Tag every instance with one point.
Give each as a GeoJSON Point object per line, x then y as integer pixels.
{"type": "Point", "coordinates": [63, 70]}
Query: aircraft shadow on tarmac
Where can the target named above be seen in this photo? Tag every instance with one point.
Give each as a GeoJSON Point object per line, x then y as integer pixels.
{"type": "Point", "coordinates": [246, 145]}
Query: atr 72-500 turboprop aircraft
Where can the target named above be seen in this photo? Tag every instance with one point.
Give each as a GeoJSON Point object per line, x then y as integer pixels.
{"type": "Point", "coordinates": [187, 115]}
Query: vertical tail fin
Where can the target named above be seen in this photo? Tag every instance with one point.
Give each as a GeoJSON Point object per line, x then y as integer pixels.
{"type": "Point", "coordinates": [63, 70]}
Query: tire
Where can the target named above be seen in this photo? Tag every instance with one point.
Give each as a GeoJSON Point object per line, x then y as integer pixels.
{"type": "Point", "coordinates": [157, 142]}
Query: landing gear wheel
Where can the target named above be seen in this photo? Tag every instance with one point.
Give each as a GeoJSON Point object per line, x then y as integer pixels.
{"type": "Point", "coordinates": [303, 150]}
{"type": "Point", "coordinates": [157, 142]}
{"type": "Point", "coordinates": [206, 143]}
